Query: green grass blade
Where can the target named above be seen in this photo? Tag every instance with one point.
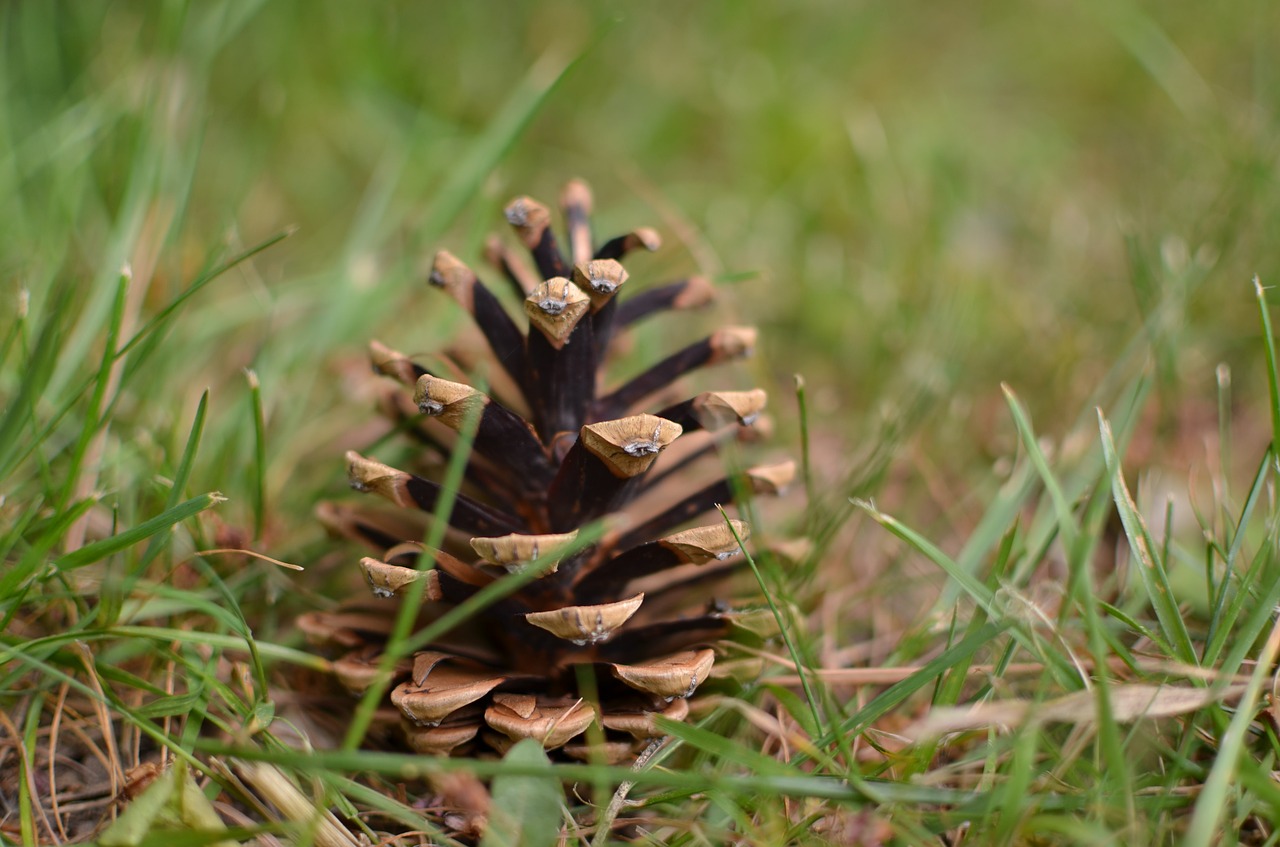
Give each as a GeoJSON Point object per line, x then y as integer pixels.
{"type": "Point", "coordinates": [976, 591]}
{"type": "Point", "coordinates": [784, 625]}
{"type": "Point", "coordinates": [1067, 527]}
{"type": "Point", "coordinates": [99, 550]}
{"type": "Point", "coordinates": [201, 281]}
{"type": "Point", "coordinates": [1245, 634]}
{"type": "Point", "coordinates": [93, 417]}
{"type": "Point", "coordinates": [36, 373]}
{"type": "Point", "coordinates": [806, 465]}
{"type": "Point", "coordinates": [486, 151]}
{"type": "Point", "coordinates": [36, 556]}
{"type": "Point", "coordinates": [398, 642]}
{"type": "Point", "coordinates": [167, 635]}
{"type": "Point", "coordinates": [1150, 568]}
{"type": "Point", "coordinates": [179, 482]}
{"type": "Point", "coordinates": [1081, 588]}
{"type": "Point", "coordinates": [1223, 615]}
{"type": "Point", "coordinates": [259, 486]}
{"type": "Point", "coordinates": [894, 695]}
{"type": "Point", "coordinates": [1269, 345]}
{"type": "Point", "coordinates": [999, 516]}
{"type": "Point", "coordinates": [1205, 829]}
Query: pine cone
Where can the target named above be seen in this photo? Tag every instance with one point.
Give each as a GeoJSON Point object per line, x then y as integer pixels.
{"type": "Point", "coordinates": [552, 453]}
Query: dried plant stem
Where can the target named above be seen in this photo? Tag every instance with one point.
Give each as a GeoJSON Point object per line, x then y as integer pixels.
{"type": "Point", "coordinates": [26, 768]}
{"type": "Point", "coordinates": [605, 824]}
{"type": "Point", "coordinates": [54, 726]}
{"type": "Point", "coordinates": [891, 675]}
{"type": "Point", "coordinates": [270, 783]}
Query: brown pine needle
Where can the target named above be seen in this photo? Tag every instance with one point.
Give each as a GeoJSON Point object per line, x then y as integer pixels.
{"type": "Point", "coordinates": [253, 553]}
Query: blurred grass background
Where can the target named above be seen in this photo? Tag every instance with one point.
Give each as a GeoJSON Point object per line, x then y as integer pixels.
{"type": "Point", "coordinates": [915, 201]}
{"type": "Point", "coordinates": [931, 198]}
{"type": "Point", "coordinates": [947, 194]}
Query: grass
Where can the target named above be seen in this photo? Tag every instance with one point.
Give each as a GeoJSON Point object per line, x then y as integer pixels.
{"type": "Point", "coordinates": [1010, 248]}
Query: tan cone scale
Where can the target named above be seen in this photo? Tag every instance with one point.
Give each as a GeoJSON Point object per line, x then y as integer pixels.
{"type": "Point", "coordinates": [566, 488]}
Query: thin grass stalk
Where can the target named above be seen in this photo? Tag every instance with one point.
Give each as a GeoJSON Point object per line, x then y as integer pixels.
{"type": "Point", "coordinates": [1216, 637]}
{"type": "Point", "coordinates": [259, 485]}
{"type": "Point", "coordinates": [463, 180]}
{"type": "Point", "coordinates": [414, 593]}
{"type": "Point", "coordinates": [784, 625]}
{"type": "Point", "coordinates": [99, 550]}
{"type": "Point", "coordinates": [179, 481]}
{"type": "Point", "coordinates": [1151, 569]}
{"type": "Point", "coordinates": [806, 467]}
{"type": "Point", "coordinates": [106, 382]}
{"type": "Point", "coordinates": [1269, 345]}
{"type": "Point", "coordinates": [1205, 828]}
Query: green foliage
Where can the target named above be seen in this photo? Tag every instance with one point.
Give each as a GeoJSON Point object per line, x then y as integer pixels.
{"type": "Point", "coordinates": [527, 809]}
{"type": "Point", "coordinates": [172, 802]}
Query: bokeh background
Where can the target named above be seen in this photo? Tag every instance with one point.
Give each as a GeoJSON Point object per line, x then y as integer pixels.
{"type": "Point", "coordinates": [915, 201]}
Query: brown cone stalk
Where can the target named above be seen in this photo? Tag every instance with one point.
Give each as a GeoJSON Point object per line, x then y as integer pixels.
{"type": "Point", "coordinates": [557, 448]}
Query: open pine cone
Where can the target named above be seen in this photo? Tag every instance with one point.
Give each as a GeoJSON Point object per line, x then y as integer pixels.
{"type": "Point", "coordinates": [552, 453]}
